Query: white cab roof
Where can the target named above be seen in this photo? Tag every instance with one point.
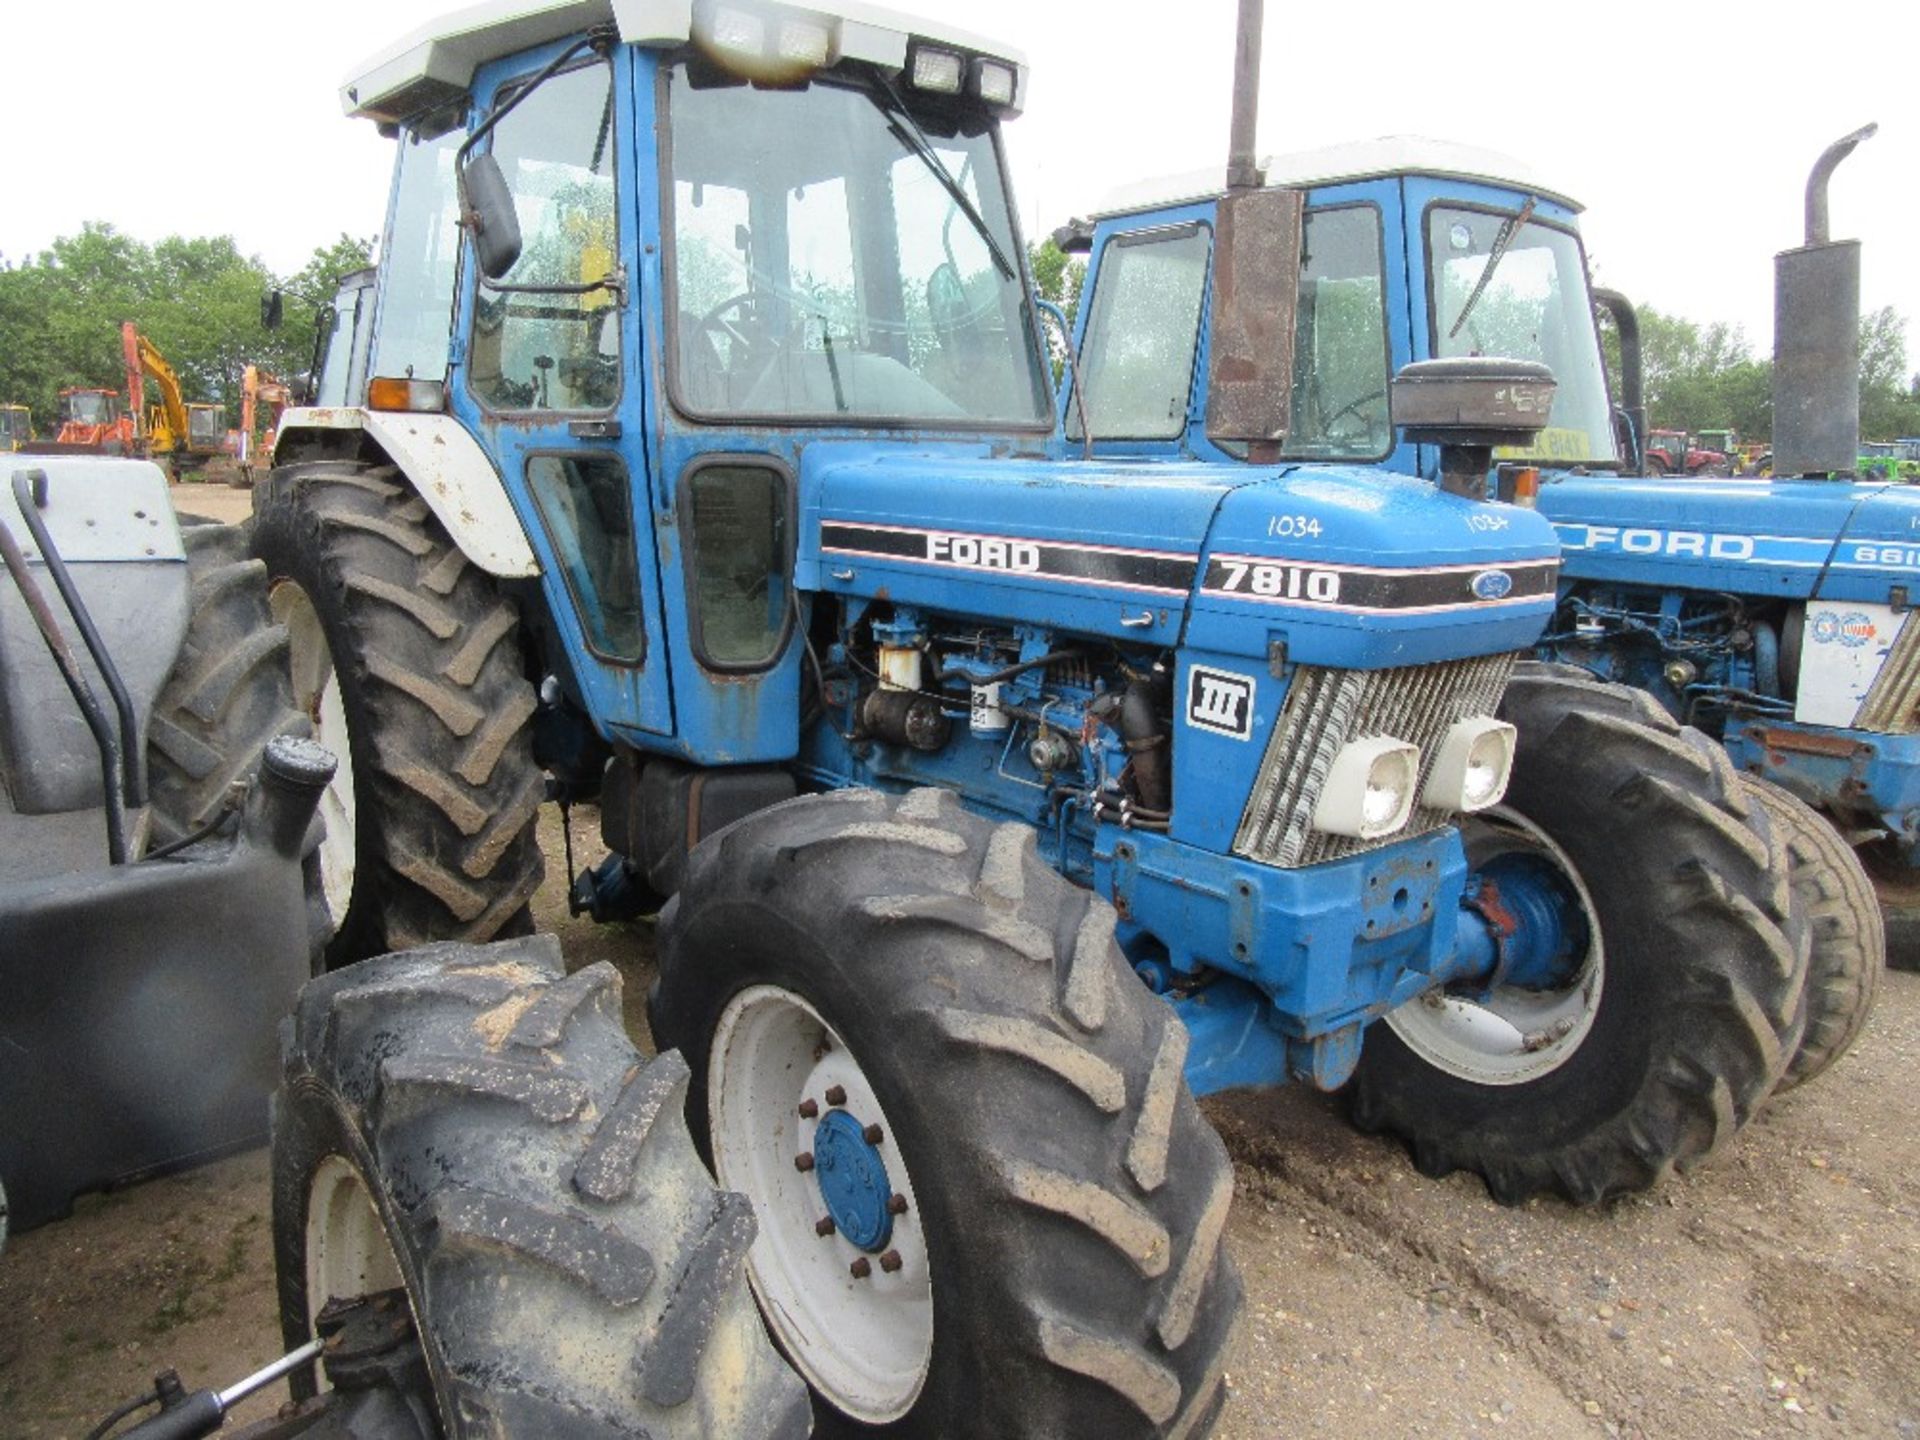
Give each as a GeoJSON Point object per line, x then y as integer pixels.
{"type": "Point", "coordinates": [1358, 160]}
{"type": "Point", "coordinates": [436, 62]}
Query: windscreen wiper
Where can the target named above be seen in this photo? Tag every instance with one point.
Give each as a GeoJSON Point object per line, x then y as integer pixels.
{"type": "Point", "coordinates": [1494, 256]}
{"type": "Point", "coordinates": [907, 131]}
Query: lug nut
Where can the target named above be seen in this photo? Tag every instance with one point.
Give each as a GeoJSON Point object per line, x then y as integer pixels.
{"type": "Point", "coordinates": [836, 1095]}
{"type": "Point", "coordinates": [891, 1261]}
{"type": "Point", "coordinates": [873, 1134]}
{"type": "Point", "coordinates": [861, 1268]}
{"type": "Point", "coordinates": [897, 1205]}
{"type": "Point", "coordinates": [803, 1162]}
{"type": "Point", "coordinates": [809, 1109]}
{"type": "Point", "coordinates": [823, 1227]}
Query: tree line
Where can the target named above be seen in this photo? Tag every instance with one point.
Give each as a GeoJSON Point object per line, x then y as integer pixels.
{"type": "Point", "coordinates": [197, 299]}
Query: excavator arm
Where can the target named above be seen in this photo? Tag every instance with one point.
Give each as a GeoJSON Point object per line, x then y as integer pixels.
{"type": "Point", "coordinates": [164, 429]}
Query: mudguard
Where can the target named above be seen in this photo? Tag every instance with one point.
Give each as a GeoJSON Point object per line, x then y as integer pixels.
{"type": "Point", "coordinates": [450, 470]}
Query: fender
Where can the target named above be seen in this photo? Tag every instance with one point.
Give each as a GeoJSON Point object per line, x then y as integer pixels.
{"type": "Point", "coordinates": [450, 471]}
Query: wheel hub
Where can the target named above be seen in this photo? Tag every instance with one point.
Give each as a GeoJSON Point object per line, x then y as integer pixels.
{"type": "Point", "coordinates": [853, 1181]}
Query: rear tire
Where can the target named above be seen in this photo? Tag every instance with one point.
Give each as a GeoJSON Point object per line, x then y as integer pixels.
{"type": "Point", "coordinates": [1693, 982]}
{"type": "Point", "coordinates": [1058, 1266]}
{"type": "Point", "coordinates": [408, 659]}
{"type": "Point", "coordinates": [1849, 944]}
{"type": "Point", "coordinates": [471, 1124]}
{"type": "Point", "coordinates": [229, 693]}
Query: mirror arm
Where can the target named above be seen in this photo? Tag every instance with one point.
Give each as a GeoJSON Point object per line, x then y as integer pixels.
{"type": "Point", "coordinates": [1059, 317]}
{"type": "Point", "coordinates": [615, 281]}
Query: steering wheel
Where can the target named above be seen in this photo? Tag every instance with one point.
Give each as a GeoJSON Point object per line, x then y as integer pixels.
{"type": "Point", "coordinates": [716, 320]}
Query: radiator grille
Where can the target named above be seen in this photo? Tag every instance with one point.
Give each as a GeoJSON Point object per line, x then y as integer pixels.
{"type": "Point", "coordinates": [1891, 705]}
{"type": "Point", "coordinates": [1325, 709]}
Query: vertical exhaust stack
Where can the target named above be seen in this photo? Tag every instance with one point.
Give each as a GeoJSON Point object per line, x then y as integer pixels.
{"type": "Point", "coordinates": [1256, 280]}
{"type": "Point", "coordinates": [1816, 338]}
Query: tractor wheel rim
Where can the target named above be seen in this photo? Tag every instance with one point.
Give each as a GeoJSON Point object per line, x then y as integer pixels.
{"type": "Point", "coordinates": [348, 1252]}
{"type": "Point", "coordinates": [863, 1341]}
{"type": "Point", "coordinates": [1513, 1035]}
{"type": "Point", "coordinates": [316, 690]}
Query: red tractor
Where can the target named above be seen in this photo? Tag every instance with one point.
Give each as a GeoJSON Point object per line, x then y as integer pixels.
{"type": "Point", "coordinates": [1674, 452]}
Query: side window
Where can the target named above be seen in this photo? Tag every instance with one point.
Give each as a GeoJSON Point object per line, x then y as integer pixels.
{"type": "Point", "coordinates": [555, 352]}
{"type": "Point", "coordinates": [737, 572]}
{"type": "Point", "coordinates": [1340, 340]}
{"type": "Point", "coordinates": [586, 507]}
{"type": "Point", "coordinates": [420, 259]}
{"type": "Point", "coordinates": [1137, 362]}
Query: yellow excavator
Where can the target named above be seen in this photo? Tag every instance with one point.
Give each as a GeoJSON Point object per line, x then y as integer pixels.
{"type": "Point", "coordinates": [185, 436]}
{"type": "Point", "coordinates": [16, 427]}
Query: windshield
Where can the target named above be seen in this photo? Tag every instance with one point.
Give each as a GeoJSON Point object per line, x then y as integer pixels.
{"type": "Point", "coordinates": [1533, 306]}
{"type": "Point", "coordinates": [89, 409]}
{"type": "Point", "coordinates": [823, 271]}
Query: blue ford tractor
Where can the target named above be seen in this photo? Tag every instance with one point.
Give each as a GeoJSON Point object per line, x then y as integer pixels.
{"type": "Point", "coordinates": [998, 789]}
{"type": "Point", "coordinates": [1772, 613]}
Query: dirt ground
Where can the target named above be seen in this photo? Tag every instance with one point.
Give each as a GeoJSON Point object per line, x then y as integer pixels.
{"type": "Point", "coordinates": [1775, 1291]}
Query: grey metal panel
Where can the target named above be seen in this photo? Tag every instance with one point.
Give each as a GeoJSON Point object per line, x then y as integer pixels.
{"type": "Point", "coordinates": [114, 524]}
{"type": "Point", "coordinates": [98, 508]}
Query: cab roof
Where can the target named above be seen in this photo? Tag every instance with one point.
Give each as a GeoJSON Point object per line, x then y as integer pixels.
{"type": "Point", "coordinates": [1389, 156]}
{"type": "Point", "coordinates": [435, 64]}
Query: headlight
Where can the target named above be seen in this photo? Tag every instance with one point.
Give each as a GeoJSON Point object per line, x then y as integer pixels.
{"type": "Point", "coordinates": [936, 70]}
{"type": "Point", "coordinates": [993, 82]}
{"type": "Point", "coordinates": [1473, 766]}
{"type": "Point", "coordinates": [1369, 789]}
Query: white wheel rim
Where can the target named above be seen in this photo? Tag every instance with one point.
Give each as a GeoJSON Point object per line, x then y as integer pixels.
{"type": "Point", "coordinates": [1516, 1035]}
{"type": "Point", "coordinates": [864, 1344]}
{"type": "Point", "coordinates": [316, 690]}
{"type": "Point", "coordinates": [348, 1252]}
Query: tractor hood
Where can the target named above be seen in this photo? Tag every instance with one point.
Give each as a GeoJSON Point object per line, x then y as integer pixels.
{"type": "Point", "coordinates": [1796, 539]}
{"type": "Point", "coordinates": [1351, 567]}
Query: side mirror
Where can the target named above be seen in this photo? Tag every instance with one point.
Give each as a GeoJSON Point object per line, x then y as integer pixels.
{"type": "Point", "coordinates": [487, 205]}
{"type": "Point", "coordinates": [271, 310]}
{"type": "Point", "coordinates": [1256, 292]}
{"type": "Point", "coordinates": [1470, 406]}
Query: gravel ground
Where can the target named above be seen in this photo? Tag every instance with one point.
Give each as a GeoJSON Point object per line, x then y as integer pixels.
{"type": "Point", "coordinates": [1774, 1291]}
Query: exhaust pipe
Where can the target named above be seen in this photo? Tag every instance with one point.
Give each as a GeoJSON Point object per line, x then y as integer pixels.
{"type": "Point", "coordinates": [1816, 338]}
{"type": "Point", "coordinates": [1633, 384]}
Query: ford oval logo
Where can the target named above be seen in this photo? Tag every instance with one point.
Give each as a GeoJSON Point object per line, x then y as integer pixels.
{"type": "Point", "coordinates": [1492, 585]}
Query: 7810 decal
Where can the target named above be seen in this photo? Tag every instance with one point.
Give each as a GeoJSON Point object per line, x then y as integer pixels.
{"type": "Point", "coordinates": [1279, 582]}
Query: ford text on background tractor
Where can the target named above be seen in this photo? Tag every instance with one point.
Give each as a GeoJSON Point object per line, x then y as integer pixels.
{"type": "Point", "coordinates": [708, 464]}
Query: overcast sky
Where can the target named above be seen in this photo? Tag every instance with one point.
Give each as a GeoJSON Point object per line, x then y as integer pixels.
{"type": "Point", "coordinates": [1686, 127]}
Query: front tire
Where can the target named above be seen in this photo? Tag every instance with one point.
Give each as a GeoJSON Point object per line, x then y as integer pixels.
{"type": "Point", "coordinates": [407, 659]}
{"type": "Point", "coordinates": [1676, 1018]}
{"type": "Point", "coordinates": [898, 989]}
{"type": "Point", "coordinates": [470, 1125]}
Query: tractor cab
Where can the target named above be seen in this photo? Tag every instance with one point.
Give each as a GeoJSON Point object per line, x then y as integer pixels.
{"type": "Point", "coordinates": [1411, 250]}
{"type": "Point", "coordinates": [16, 427]}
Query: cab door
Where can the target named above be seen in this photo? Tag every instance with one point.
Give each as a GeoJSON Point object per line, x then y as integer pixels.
{"type": "Point", "coordinates": [548, 377]}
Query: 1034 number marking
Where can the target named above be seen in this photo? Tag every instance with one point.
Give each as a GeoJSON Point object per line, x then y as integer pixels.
{"type": "Point", "coordinates": [1288, 527]}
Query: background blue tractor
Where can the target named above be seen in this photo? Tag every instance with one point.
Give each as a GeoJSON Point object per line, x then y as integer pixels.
{"type": "Point", "coordinates": [708, 468]}
{"type": "Point", "coordinates": [1771, 613]}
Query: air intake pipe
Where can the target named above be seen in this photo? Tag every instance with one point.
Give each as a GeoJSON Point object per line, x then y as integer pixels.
{"type": "Point", "coordinates": [1633, 383]}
